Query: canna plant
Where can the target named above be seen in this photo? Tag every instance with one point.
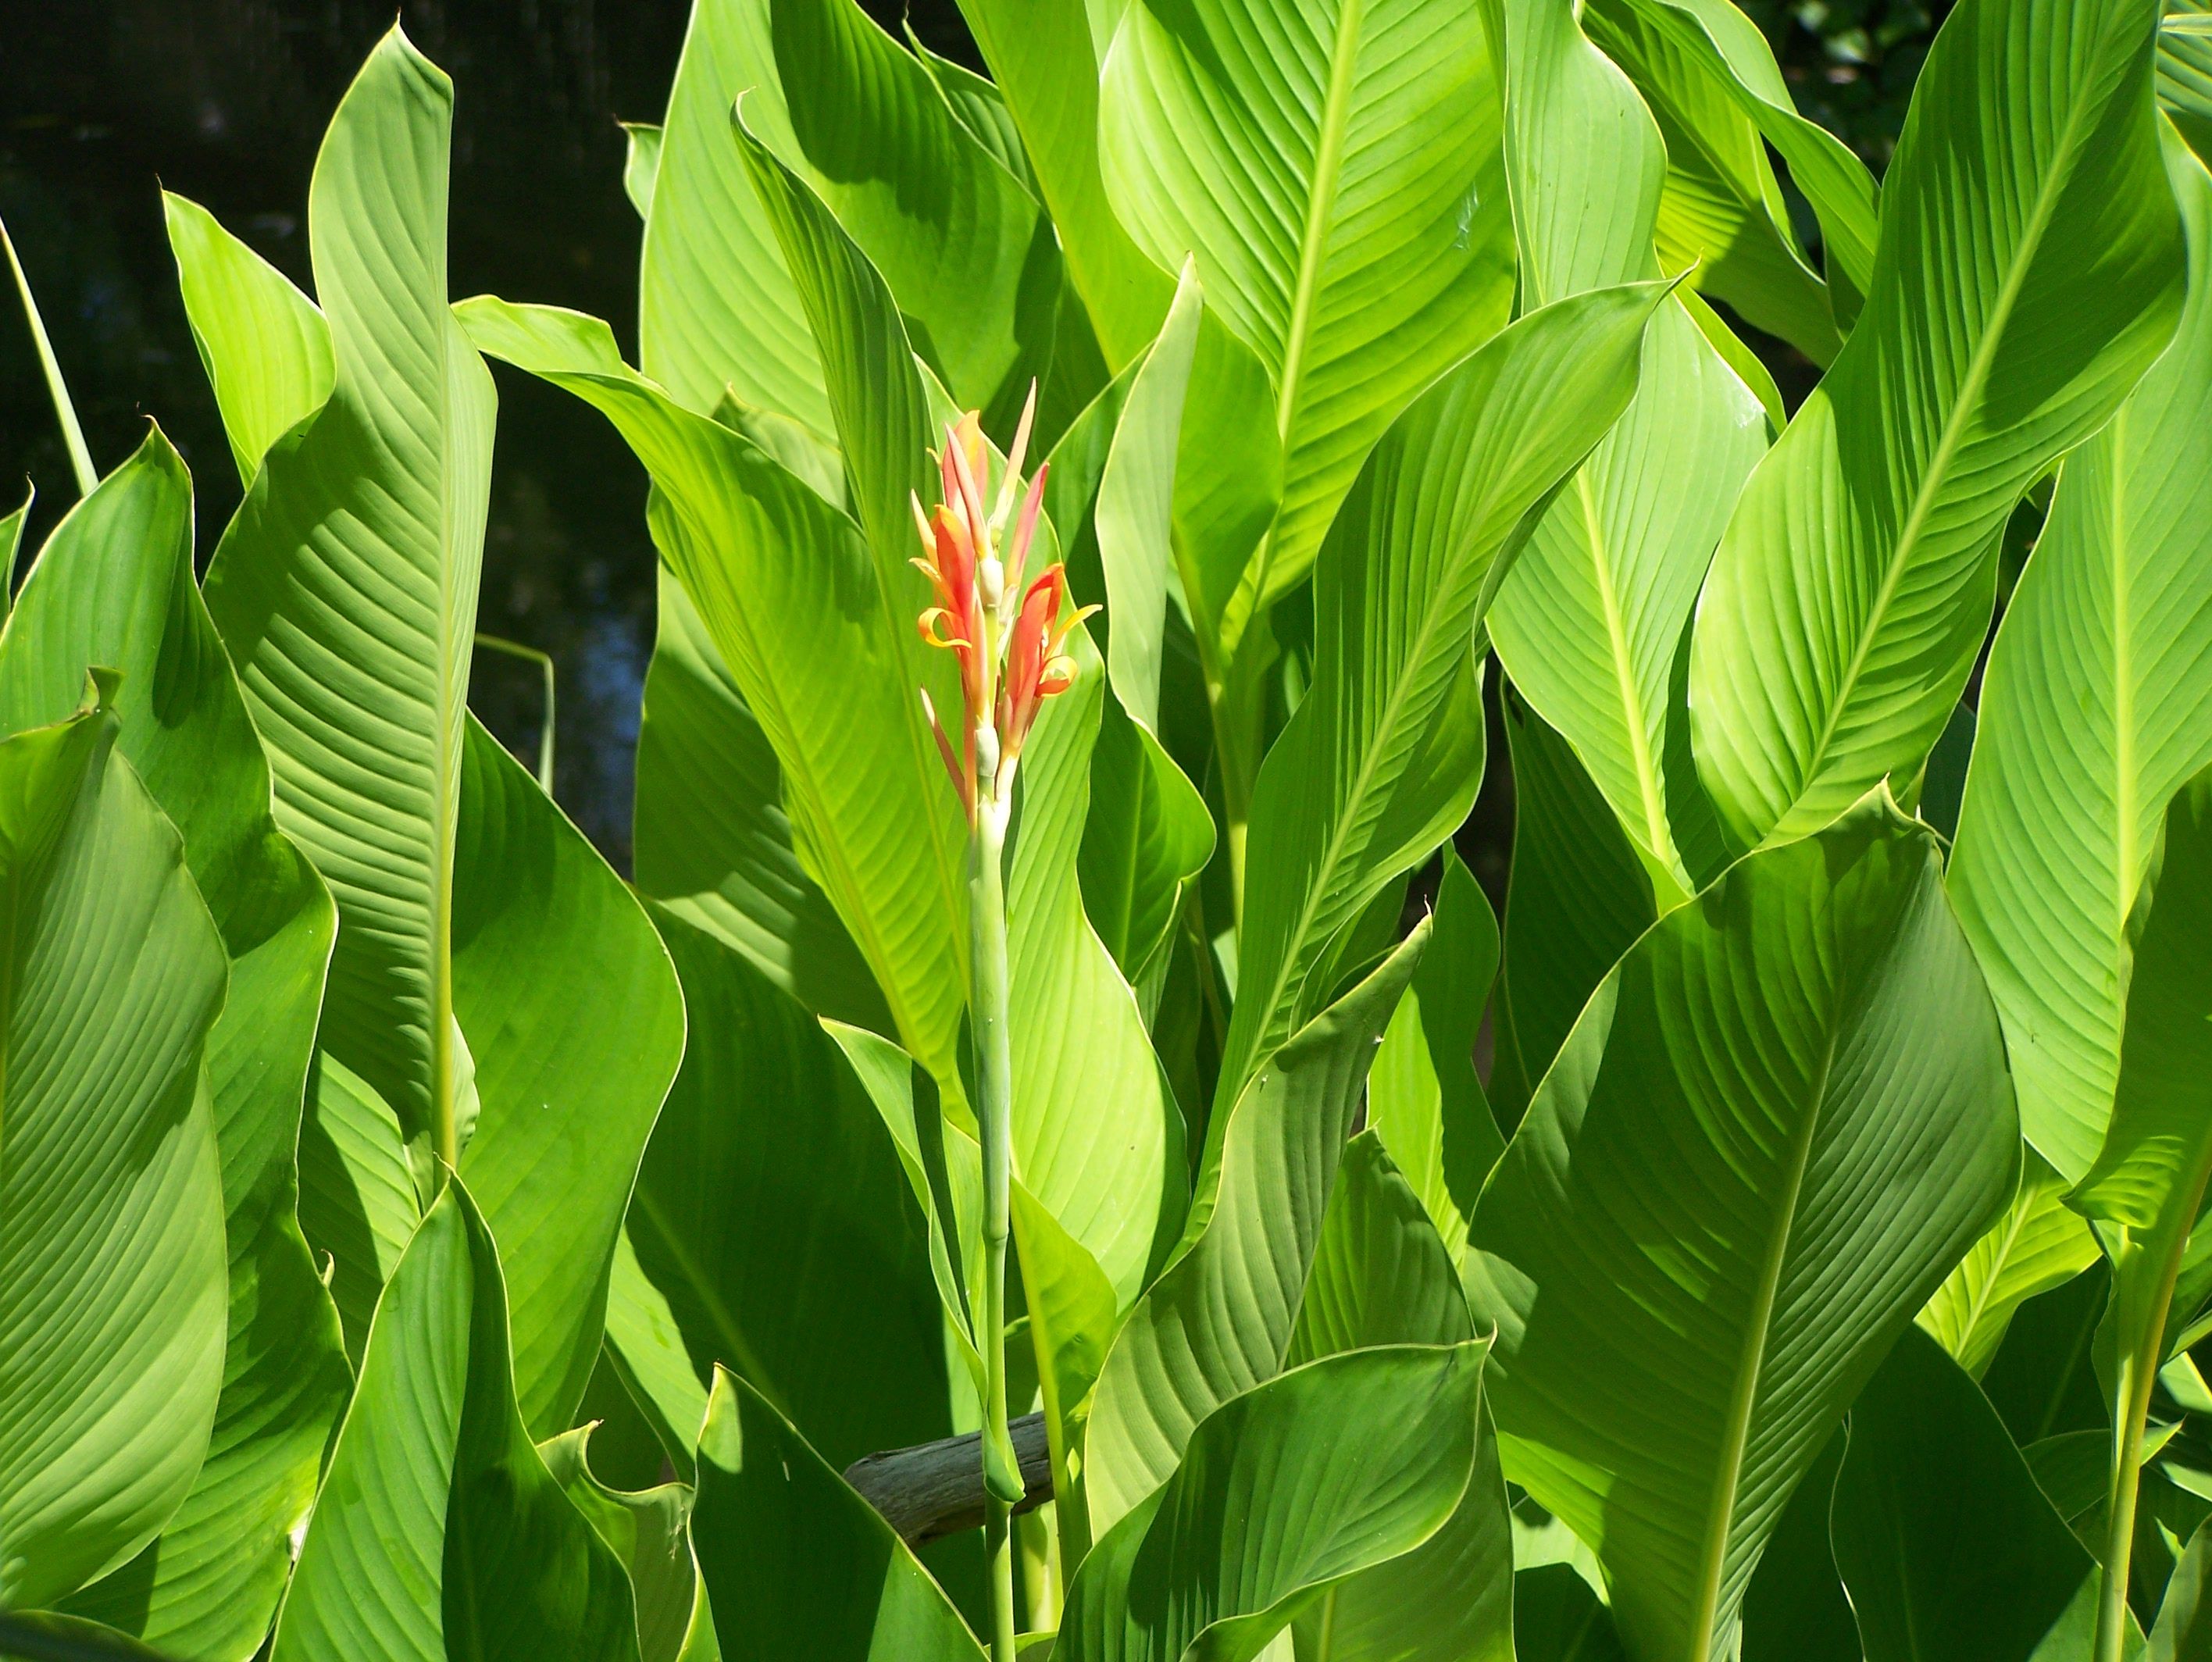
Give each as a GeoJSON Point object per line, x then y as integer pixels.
{"type": "Point", "coordinates": [1054, 1148]}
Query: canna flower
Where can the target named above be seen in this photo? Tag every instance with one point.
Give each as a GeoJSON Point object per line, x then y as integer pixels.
{"type": "Point", "coordinates": [1008, 639]}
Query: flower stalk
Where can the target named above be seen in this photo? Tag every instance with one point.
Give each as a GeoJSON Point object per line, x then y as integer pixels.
{"type": "Point", "coordinates": [1007, 639]}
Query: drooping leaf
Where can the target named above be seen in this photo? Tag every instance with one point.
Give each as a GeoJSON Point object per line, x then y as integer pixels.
{"type": "Point", "coordinates": [642, 163]}
{"type": "Point", "coordinates": [713, 842]}
{"type": "Point", "coordinates": [2029, 271]}
{"type": "Point", "coordinates": [716, 310]}
{"type": "Point", "coordinates": [2039, 1243]}
{"type": "Point", "coordinates": [1576, 900]}
{"type": "Point", "coordinates": [1587, 619]}
{"type": "Point", "coordinates": [1423, 1099]}
{"type": "Point", "coordinates": [1221, 1320]}
{"type": "Point", "coordinates": [817, 1292]}
{"type": "Point", "coordinates": [2097, 704]}
{"type": "Point", "coordinates": [1333, 168]}
{"type": "Point", "coordinates": [114, 587]}
{"type": "Point", "coordinates": [1946, 1545]}
{"type": "Point", "coordinates": [2184, 1633]}
{"type": "Point", "coordinates": [1710, 80]}
{"type": "Point", "coordinates": [1777, 1123]}
{"type": "Point", "coordinates": [264, 345]}
{"type": "Point", "coordinates": [438, 1535]}
{"type": "Point", "coordinates": [1332, 1469]}
{"type": "Point", "coordinates": [1044, 56]}
{"type": "Point", "coordinates": [1381, 760]}
{"type": "Point", "coordinates": [571, 1065]}
{"type": "Point", "coordinates": [112, 1284]}
{"type": "Point", "coordinates": [794, 1562]}
{"type": "Point", "coordinates": [646, 1530]}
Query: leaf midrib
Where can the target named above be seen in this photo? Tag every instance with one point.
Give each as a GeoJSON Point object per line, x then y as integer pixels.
{"type": "Point", "coordinates": [1340, 832]}
{"type": "Point", "coordinates": [1321, 200]}
{"type": "Point", "coordinates": [1737, 1436]}
{"type": "Point", "coordinates": [1639, 743]}
{"type": "Point", "coordinates": [1939, 465]}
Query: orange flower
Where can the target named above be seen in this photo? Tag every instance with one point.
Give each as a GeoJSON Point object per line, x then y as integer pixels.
{"type": "Point", "coordinates": [1036, 667]}
{"type": "Point", "coordinates": [1009, 650]}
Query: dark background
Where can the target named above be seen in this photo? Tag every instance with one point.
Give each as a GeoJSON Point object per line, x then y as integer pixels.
{"type": "Point", "coordinates": [103, 102]}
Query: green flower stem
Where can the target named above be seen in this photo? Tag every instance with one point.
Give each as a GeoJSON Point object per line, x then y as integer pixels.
{"type": "Point", "coordinates": [987, 915]}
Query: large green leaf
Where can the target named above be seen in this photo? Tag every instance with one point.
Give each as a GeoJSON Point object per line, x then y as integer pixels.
{"type": "Point", "coordinates": [2096, 704]}
{"type": "Point", "coordinates": [1587, 619]}
{"type": "Point", "coordinates": [1575, 899]}
{"type": "Point", "coordinates": [1381, 760]}
{"type": "Point", "coordinates": [2184, 1633]}
{"type": "Point", "coordinates": [1946, 1545]}
{"type": "Point", "coordinates": [2039, 1243]}
{"type": "Point", "coordinates": [114, 587]}
{"type": "Point", "coordinates": [2029, 271]}
{"type": "Point", "coordinates": [264, 345]}
{"type": "Point", "coordinates": [358, 1204]}
{"type": "Point", "coordinates": [1710, 80]}
{"type": "Point", "coordinates": [345, 590]}
{"type": "Point", "coordinates": [111, 1189]}
{"type": "Point", "coordinates": [1332, 167]}
{"type": "Point", "coordinates": [1423, 1099]}
{"type": "Point", "coordinates": [817, 1292]}
{"type": "Point", "coordinates": [439, 1534]}
{"type": "Point", "coordinates": [794, 1562]}
{"type": "Point", "coordinates": [1795, 1609]}
{"type": "Point", "coordinates": [1779, 1122]}
{"type": "Point", "coordinates": [712, 837]}
{"type": "Point", "coordinates": [1221, 1320]}
{"type": "Point", "coordinates": [1332, 1469]}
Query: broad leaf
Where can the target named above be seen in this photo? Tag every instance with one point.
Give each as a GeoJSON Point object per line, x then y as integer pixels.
{"type": "Point", "coordinates": [1777, 1125]}
{"type": "Point", "coordinates": [111, 1190]}
{"type": "Point", "coordinates": [1795, 1609]}
{"type": "Point", "coordinates": [1381, 760]}
{"type": "Point", "coordinates": [794, 1562]}
{"type": "Point", "coordinates": [114, 587]}
{"type": "Point", "coordinates": [2029, 271]}
{"type": "Point", "coordinates": [1587, 619]}
{"type": "Point", "coordinates": [2096, 704]}
{"type": "Point", "coordinates": [2184, 1633]}
{"type": "Point", "coordinates": [358, 1204]}
{"type": "Point", "coordinates": [1946, 1545]}
{"type": "Point", "coordinates": [1332, 1469]}
{"type": "Point", "coordinates": [1221, 1320]}
{"type": "Point", "coordinates": [2039, 1243]}
{"type": "Point", "coordinates": [1333, 168]}
{"type": "Point", "coordinates": [439, 1533]}
{"type": "Point", "coordinates": [1424, 1099]}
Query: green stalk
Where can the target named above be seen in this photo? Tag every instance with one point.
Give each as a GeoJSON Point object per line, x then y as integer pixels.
{"type": "Point", "coordinates": [987, 915]}
{"type": "Point", "coordinates": [2138, 1371]}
